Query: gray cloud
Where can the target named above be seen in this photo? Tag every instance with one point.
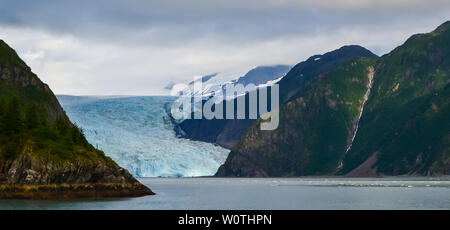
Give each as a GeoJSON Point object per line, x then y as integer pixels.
{"type": "Point", "coordinates": [138, 47]}
{"type": "Point", "coordinates": [174, 22]}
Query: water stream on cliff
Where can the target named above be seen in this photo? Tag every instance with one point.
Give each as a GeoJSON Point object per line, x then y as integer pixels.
{"type": "Point", "coordinates": [366, 97]}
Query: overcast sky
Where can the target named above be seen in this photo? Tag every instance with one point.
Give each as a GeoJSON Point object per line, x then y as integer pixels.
{"type": "Point", "coordinates": [112, 47]}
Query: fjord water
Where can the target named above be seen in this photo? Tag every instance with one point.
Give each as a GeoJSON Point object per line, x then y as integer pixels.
{"type": "Point", "coordinates": [136, 132]}
{"type": "Point", "coordinates": [269, 193]}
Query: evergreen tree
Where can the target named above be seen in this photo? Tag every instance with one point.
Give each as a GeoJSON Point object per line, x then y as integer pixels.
{"type": "Point", "coordinates": [78, 136]}
{"type": "Point", "coordinates": [62, 126]}
{"type": "Point", "coordinates": [12, 122]}
{"type": "Point", "coordinates": [31, 116]}
{"type": "Point", "coordinates": [2, 113]}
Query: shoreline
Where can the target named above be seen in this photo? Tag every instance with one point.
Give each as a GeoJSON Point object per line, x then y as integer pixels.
{"type": "Point", "coordinates": [447, 177]}
{"type": "Point", "coordinates": [72, 191]}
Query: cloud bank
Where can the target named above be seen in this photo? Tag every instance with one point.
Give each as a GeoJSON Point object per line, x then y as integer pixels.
{"type": "Point", "coordinates": [139, 47]}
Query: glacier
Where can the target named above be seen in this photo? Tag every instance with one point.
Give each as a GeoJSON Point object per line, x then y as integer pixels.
{"type": "Point", "coordinates": [137, 133]}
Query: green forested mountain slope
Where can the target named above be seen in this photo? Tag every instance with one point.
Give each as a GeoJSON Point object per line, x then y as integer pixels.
{"type": "Point", "coordinates": [405, 128]}
{"type": "Point", "coordinates": [314, 131]}
{"type": "Point", "coordinates": [41, 152]}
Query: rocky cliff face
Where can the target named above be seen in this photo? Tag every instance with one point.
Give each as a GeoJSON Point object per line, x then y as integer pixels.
{"type": "Point", "coordinates": [42, 154]}
{"type": "Point", "coordinates": [331, 128]}
{"type": "Point", "coordinates": [30, 168]}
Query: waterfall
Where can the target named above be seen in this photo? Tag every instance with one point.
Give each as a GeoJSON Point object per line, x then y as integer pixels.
{"type": "Point", "coordinates": [366, 96]}
{"type": "Point", "coordinates": [361, 109]}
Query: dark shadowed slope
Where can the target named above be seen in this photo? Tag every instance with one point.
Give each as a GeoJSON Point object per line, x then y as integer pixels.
{"type": "Point", "coordinates": [263, 74]}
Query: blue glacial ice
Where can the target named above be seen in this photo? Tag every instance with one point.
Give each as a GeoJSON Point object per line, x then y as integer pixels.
{"type": "Point", "coordinates": [137, 133]}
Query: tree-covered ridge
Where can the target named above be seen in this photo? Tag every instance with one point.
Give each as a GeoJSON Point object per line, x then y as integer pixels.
{"type": "Point", "coordinates": [30, 114]}
{"type": "Point", "coordinates": [28, 123]}
{"type": "Point", "coordinates": [404, 128]}
{"type": "Point", "coordinates": [406, 124]}
{"type": "Point", "coordinates": [314, 131]}
{"type": "Point", "coordinates": [42, 154]}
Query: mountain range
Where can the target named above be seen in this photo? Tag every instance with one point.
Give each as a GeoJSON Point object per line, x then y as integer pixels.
{"type": "Point", "coordinates": [228, 133]}
{"type": "Point", "coordinates": [362, 116]}
{"type": "Point", "coordinates": [347, 112]}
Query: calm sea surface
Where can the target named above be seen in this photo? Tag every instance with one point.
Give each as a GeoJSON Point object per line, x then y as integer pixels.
{"type": "Point", "coordinates": [270, 193]}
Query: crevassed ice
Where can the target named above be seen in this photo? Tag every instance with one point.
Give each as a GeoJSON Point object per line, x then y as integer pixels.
{"type": "Point", "coordinates": [136, 133]}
